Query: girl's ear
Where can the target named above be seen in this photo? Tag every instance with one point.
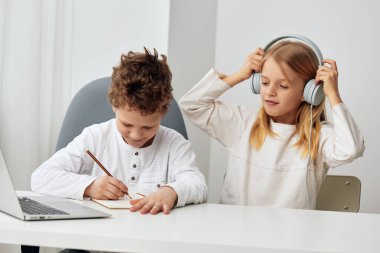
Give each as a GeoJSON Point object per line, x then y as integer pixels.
{"type": "Point", "coordinates": [114, 109]}
{"type": "Point", "coordinates": [303, 94]}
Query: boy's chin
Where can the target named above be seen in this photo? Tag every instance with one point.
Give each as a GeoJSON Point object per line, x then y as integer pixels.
{"type": "Point", "coordinates": [137, 145]}
{"type": "Point", "coordinates": [142, 144]}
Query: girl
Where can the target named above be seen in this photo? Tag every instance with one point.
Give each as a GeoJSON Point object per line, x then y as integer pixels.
{"type": "Point", "coordinates": [275, 157]}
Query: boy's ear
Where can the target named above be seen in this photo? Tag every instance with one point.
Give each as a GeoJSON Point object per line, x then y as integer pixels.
{"type": "Point", "coordinates": [114, 109]}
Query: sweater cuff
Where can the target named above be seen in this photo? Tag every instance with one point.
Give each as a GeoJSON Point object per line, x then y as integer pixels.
{"type": "Point", "coordinates": [213, 77]}
{"type": "Point", "coordinates": [181, 200]}
{"type": "Point", "coordinates": [82, 185]}
{"type": "Point", "coordinates": [339, 108]}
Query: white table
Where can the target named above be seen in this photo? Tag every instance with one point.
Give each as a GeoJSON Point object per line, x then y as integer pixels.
{"type": "Point", "coordinates": [204, 228]}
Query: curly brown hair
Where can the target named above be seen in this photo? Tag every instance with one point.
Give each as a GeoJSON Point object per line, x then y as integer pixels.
{"type": "Point", "coordinates": [143, 81]}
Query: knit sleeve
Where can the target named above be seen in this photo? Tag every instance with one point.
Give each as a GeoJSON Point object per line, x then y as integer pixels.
{"type": "Point", "coordinates": [200, 104]}
{"type": "Point", "coordinates": [343, 142]}
{"type": "Point", "coordinates": [66, 173]}
{"type": "Point", "coordinates": [184, 176]}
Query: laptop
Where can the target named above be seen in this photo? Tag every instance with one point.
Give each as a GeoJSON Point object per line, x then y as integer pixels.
{"type": "Point", "coordinates": [39, 207]}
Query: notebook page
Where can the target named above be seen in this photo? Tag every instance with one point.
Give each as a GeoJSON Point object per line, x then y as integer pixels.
{"type": "Point", "coordinates": [122, 203]}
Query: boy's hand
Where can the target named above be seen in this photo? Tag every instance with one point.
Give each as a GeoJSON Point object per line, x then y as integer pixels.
{"type": "Point", "coordinates": [251, 65]}
{"type": "Point", "coordinates": [162, 200]}
{"type": "Point", "coordinates": [106, 187]}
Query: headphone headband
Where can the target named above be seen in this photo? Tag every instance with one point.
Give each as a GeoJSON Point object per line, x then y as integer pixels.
{"type": "Point", "coordinates": [307, 41]}
{"type": "Point", "coordinates": [312, 93]}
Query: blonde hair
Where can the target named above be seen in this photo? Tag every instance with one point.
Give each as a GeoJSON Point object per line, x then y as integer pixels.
{"type": "Point", "coordinates": [302, 60]}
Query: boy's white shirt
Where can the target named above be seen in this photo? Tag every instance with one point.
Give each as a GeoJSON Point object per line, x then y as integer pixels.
{"type": "Point", "coordinates": [275, 175]}
{"type": "Point", "coordinates": [168, 161]}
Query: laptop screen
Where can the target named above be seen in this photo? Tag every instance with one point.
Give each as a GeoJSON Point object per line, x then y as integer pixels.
{"type": "Point", "coordinates": [8, 202]}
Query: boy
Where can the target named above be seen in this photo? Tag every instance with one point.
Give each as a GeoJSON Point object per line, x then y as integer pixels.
{"type": "Point", "coordinates": [142, 156]}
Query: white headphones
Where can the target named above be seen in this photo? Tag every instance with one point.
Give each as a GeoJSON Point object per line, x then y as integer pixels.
{"type": "Point", "coordinates": [312, 93]}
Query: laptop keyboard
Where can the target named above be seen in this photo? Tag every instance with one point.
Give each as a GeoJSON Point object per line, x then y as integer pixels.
{"type": "Point", "coordinates": [30, 206]}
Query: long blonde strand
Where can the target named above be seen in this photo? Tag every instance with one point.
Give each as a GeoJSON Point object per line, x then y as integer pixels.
{"type": "Point", "coordinates": [261, 129]}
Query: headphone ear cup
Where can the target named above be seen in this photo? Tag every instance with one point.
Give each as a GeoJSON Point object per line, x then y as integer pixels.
{"type": "Point", "coordinates": [312, 93]}
{"type": "Point", "coordinates": [256, 83]}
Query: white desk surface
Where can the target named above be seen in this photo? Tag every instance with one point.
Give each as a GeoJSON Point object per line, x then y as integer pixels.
{"type": "Point", "coordinates": [204, 228]}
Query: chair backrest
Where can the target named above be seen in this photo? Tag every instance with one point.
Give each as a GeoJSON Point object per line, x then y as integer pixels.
{"type": "Point", "coordinates": [90, 106]}
{"type": "Point", "coordinates": [339, 193]}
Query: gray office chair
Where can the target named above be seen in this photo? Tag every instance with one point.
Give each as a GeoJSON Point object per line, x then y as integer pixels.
{"type": "Point", "coordinates": [339, 193]}
{"type": "Point", "coordinates": [90, 106]}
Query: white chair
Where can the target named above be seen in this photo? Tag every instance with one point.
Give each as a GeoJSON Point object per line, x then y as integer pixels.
{"type": "Point", "coordinates": [339, 193]}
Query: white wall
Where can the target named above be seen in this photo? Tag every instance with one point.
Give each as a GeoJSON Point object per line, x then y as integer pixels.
{"type": "Point", "coordinates": [345, 31]}
{"type": "Point", "coordinates": [191, 54]}
{"type": "Point", "coordinates": [102, 30]}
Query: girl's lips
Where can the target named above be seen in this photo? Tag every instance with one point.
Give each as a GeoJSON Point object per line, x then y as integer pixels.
{"type": "Point", "coordinates": [271, 102]}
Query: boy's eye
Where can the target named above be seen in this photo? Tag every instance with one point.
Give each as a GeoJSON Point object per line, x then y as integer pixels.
{"type": "Point", "coordinates": [284, 86]}
{"type": "Point", "coordinates": [147, 128]}
{"type": "Point", "coordinates": [264, 83]}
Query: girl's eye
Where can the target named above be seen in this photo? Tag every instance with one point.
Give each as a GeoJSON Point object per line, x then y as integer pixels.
{"type": "Point", "coordinates": [265, 83]}
{"type": "Point", "coordinates": [284, 86]}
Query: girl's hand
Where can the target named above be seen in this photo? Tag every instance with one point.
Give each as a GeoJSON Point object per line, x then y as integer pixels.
{"type": "Point", "coordinates": [329, 76]}
{"type": "Point", "coordinates": [106, 187]}
{"type": "Point", "coordinates": [161, 200]}
{"type": "Point", "coordinates": [252, 64]}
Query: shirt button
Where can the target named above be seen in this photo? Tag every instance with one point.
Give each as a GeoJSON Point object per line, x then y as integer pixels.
{"type": "Point", "coordinates": [158, 185]}
{"type": "Point", "coordinates": [133, 178]}
{"type": "Point", "coordinates": [134, 166]}
{"type": "Point", "coordinates": [137, 153]}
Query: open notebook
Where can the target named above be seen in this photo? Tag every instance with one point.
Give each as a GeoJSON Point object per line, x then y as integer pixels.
{"type": "Point", "coordinates": [122, 203]}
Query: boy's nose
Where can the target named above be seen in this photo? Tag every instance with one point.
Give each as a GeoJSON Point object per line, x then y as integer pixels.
{"type": "Point", "coordinates": [135, 135]}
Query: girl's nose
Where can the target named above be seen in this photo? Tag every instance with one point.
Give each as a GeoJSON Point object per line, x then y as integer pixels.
{"type": "Point", "coordinates": [271, 90]}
